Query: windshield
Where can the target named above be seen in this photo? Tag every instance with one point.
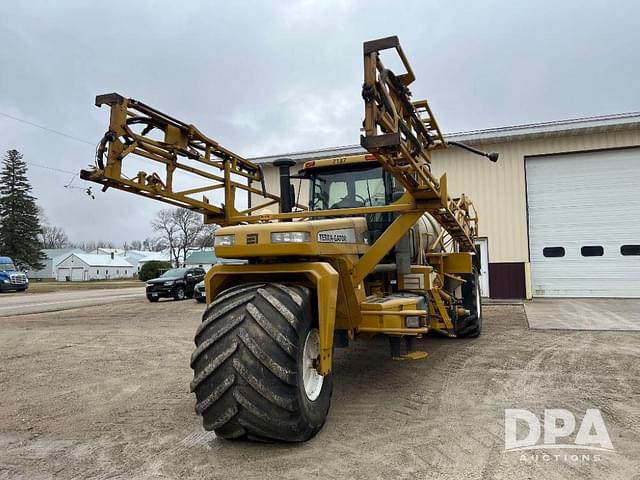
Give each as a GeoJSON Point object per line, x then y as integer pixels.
{"type": "Point", "coordinates": [357, 187]}
{"type": "Point", "coordinates": [7, 267]}
{"type": "Point", "coordinates": [174, 272]}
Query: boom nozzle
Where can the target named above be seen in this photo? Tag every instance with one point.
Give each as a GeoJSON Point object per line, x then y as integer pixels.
{"type": "Point", "coordinates": [493, 156]}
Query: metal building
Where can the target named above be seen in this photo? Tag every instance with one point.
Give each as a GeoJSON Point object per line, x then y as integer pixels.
{"type": "Point", "coordinates": [79, 267]}
{"type": "Point", "coordinates": [559, 212]}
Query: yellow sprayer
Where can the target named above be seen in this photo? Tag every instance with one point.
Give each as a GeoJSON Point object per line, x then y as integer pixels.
{"type": "Point", "coordinates": [380, 249]}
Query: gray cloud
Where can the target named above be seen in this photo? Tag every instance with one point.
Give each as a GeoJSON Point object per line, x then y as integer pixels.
{"type": "Point", "coordinates": [269, 77]}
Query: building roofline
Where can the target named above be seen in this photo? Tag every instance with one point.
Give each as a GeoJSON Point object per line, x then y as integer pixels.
{"type": "Point", "coordinates": [571, 126]}
{"type": "Point", "coordinates": [98, 262]}
{"type": "Point", "coordinates": [603, 122]}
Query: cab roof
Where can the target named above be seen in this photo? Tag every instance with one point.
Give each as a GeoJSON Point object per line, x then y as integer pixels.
{"type": "Point", "coordinates": [344, 160]}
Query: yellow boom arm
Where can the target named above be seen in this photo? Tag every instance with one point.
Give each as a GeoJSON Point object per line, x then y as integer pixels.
{"type": "Point", "coordinates": [182, 148]}
{"type": "Point", "coordinates": [400, 133]}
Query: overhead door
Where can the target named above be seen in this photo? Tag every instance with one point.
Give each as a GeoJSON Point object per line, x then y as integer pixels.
{"type": "Point", "coordinates": [77, 274]}
{"type": "Point", "coordinates": [63, 273]}
{"type": "Point", "coordinates": [584, 224]}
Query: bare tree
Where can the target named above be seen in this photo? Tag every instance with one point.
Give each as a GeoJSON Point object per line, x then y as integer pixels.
{"type": "Point", "coordinates": [165, 224]}
{"type": "Point", "coordinates": [154, 244]}
{"type": "Point", "coordinates": [190, 228]}
{"type": "Point", "coordinates": [53, 237]}
{"type": "Point", "coordinates": [206, 236]}
{"type": "Point", "coordinates": [50, 235]}
{"type": "Point", "coordinates": [83, 245]}
{"type": "Point", "coordinates": [181, 230]}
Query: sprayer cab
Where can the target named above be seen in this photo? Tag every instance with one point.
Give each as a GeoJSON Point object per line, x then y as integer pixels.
{"type": "Point", "coordinates": [347, 182]}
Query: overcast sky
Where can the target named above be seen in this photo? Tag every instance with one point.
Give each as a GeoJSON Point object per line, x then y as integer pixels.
{"type": "Point", "coordinates": [273, 77]}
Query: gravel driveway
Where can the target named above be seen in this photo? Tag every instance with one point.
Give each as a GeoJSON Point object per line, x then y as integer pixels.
{"type": "Point", "coordinates": [103, 392]}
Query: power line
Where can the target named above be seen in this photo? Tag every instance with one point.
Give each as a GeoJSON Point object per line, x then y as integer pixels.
{"type": "Point", "coordinates": [60, 170]}
{"type": "Point", "coordinates": [50, 168]}
{"type": "Point", "coordinates": [50, 130]}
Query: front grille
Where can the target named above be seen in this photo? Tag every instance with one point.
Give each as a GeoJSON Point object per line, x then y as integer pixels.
{"type": "Point", "coordinates": [158, 287]}
{"type": "Point", "coordinates": [18, 279]}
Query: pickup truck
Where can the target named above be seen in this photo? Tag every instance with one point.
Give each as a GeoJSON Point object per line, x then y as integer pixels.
{"type": "Point", "coordinates": [177, 283]}
{"type": "Point", "coordinates": [10, 277]}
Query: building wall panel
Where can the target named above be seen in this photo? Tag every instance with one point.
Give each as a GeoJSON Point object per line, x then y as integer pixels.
{"type": "Point", "coordinates": [497, 190]}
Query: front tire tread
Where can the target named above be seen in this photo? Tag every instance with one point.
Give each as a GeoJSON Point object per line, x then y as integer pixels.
{"type": "Point", "coordinates": [247, 362]}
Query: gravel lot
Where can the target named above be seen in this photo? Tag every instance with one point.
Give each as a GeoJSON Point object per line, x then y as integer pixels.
{"type": "Point", "coordinates": [103, 392]}
{"type": "Point", "coordinates": [29, 302]}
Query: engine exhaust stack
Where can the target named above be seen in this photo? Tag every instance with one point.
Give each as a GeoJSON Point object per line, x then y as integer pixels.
{"type": "Point", "coordinates": [286, 190]}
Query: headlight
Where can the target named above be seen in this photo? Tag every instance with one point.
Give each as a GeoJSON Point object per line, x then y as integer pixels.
{"type": "Point", "coordinates": [290, 237]}
{"type": "Point", "coordinates": [413, 322]}
{"type": "Point", "coordinates": [5, 281]}
{"type": "Point", "coordinates": [171, 282]}
{"type": "Point", "coordinates": [224, 240]}
{"type": "Point", "coordinates": [148, 284]}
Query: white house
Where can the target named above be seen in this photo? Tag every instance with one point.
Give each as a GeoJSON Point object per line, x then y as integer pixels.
{"type": "Point", "coordinates": [54, 256]}
{"type": "Point", "coordinates": [138, 258]}
{"type": "Point", "coordinates": [85, 266]}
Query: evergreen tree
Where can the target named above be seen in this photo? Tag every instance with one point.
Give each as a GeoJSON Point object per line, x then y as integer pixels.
{"type": "Point", "coordinates": [19, 222]}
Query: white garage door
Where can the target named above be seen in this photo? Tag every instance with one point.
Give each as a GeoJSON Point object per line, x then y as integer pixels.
{"type": "Point", "coordinates": [63, 273]}
{"type": "Point", "coordinates": [584, 224]}
{"type": "Point", "coordinates": [77, 274]}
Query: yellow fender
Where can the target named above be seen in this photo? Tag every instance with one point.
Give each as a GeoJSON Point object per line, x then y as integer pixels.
{"type": "Point", "coordinates": [321, 275]}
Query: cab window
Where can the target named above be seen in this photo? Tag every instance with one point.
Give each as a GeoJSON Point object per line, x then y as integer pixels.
{"type": "Point", "coordinates": [348, 188]}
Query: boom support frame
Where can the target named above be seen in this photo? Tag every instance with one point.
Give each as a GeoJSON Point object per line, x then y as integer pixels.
{"type": "Point", "coordinates": [400, 133]}
{"type": "Point", "coordinates": [183, 148]}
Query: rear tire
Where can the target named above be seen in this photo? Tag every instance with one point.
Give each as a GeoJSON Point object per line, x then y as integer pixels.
{"type": "Point", "coordinates": [471, 325]}
{"type": "Point", "coordinates": [252, 366]}
{"type": "Point", "coordinates": [152, 299]}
